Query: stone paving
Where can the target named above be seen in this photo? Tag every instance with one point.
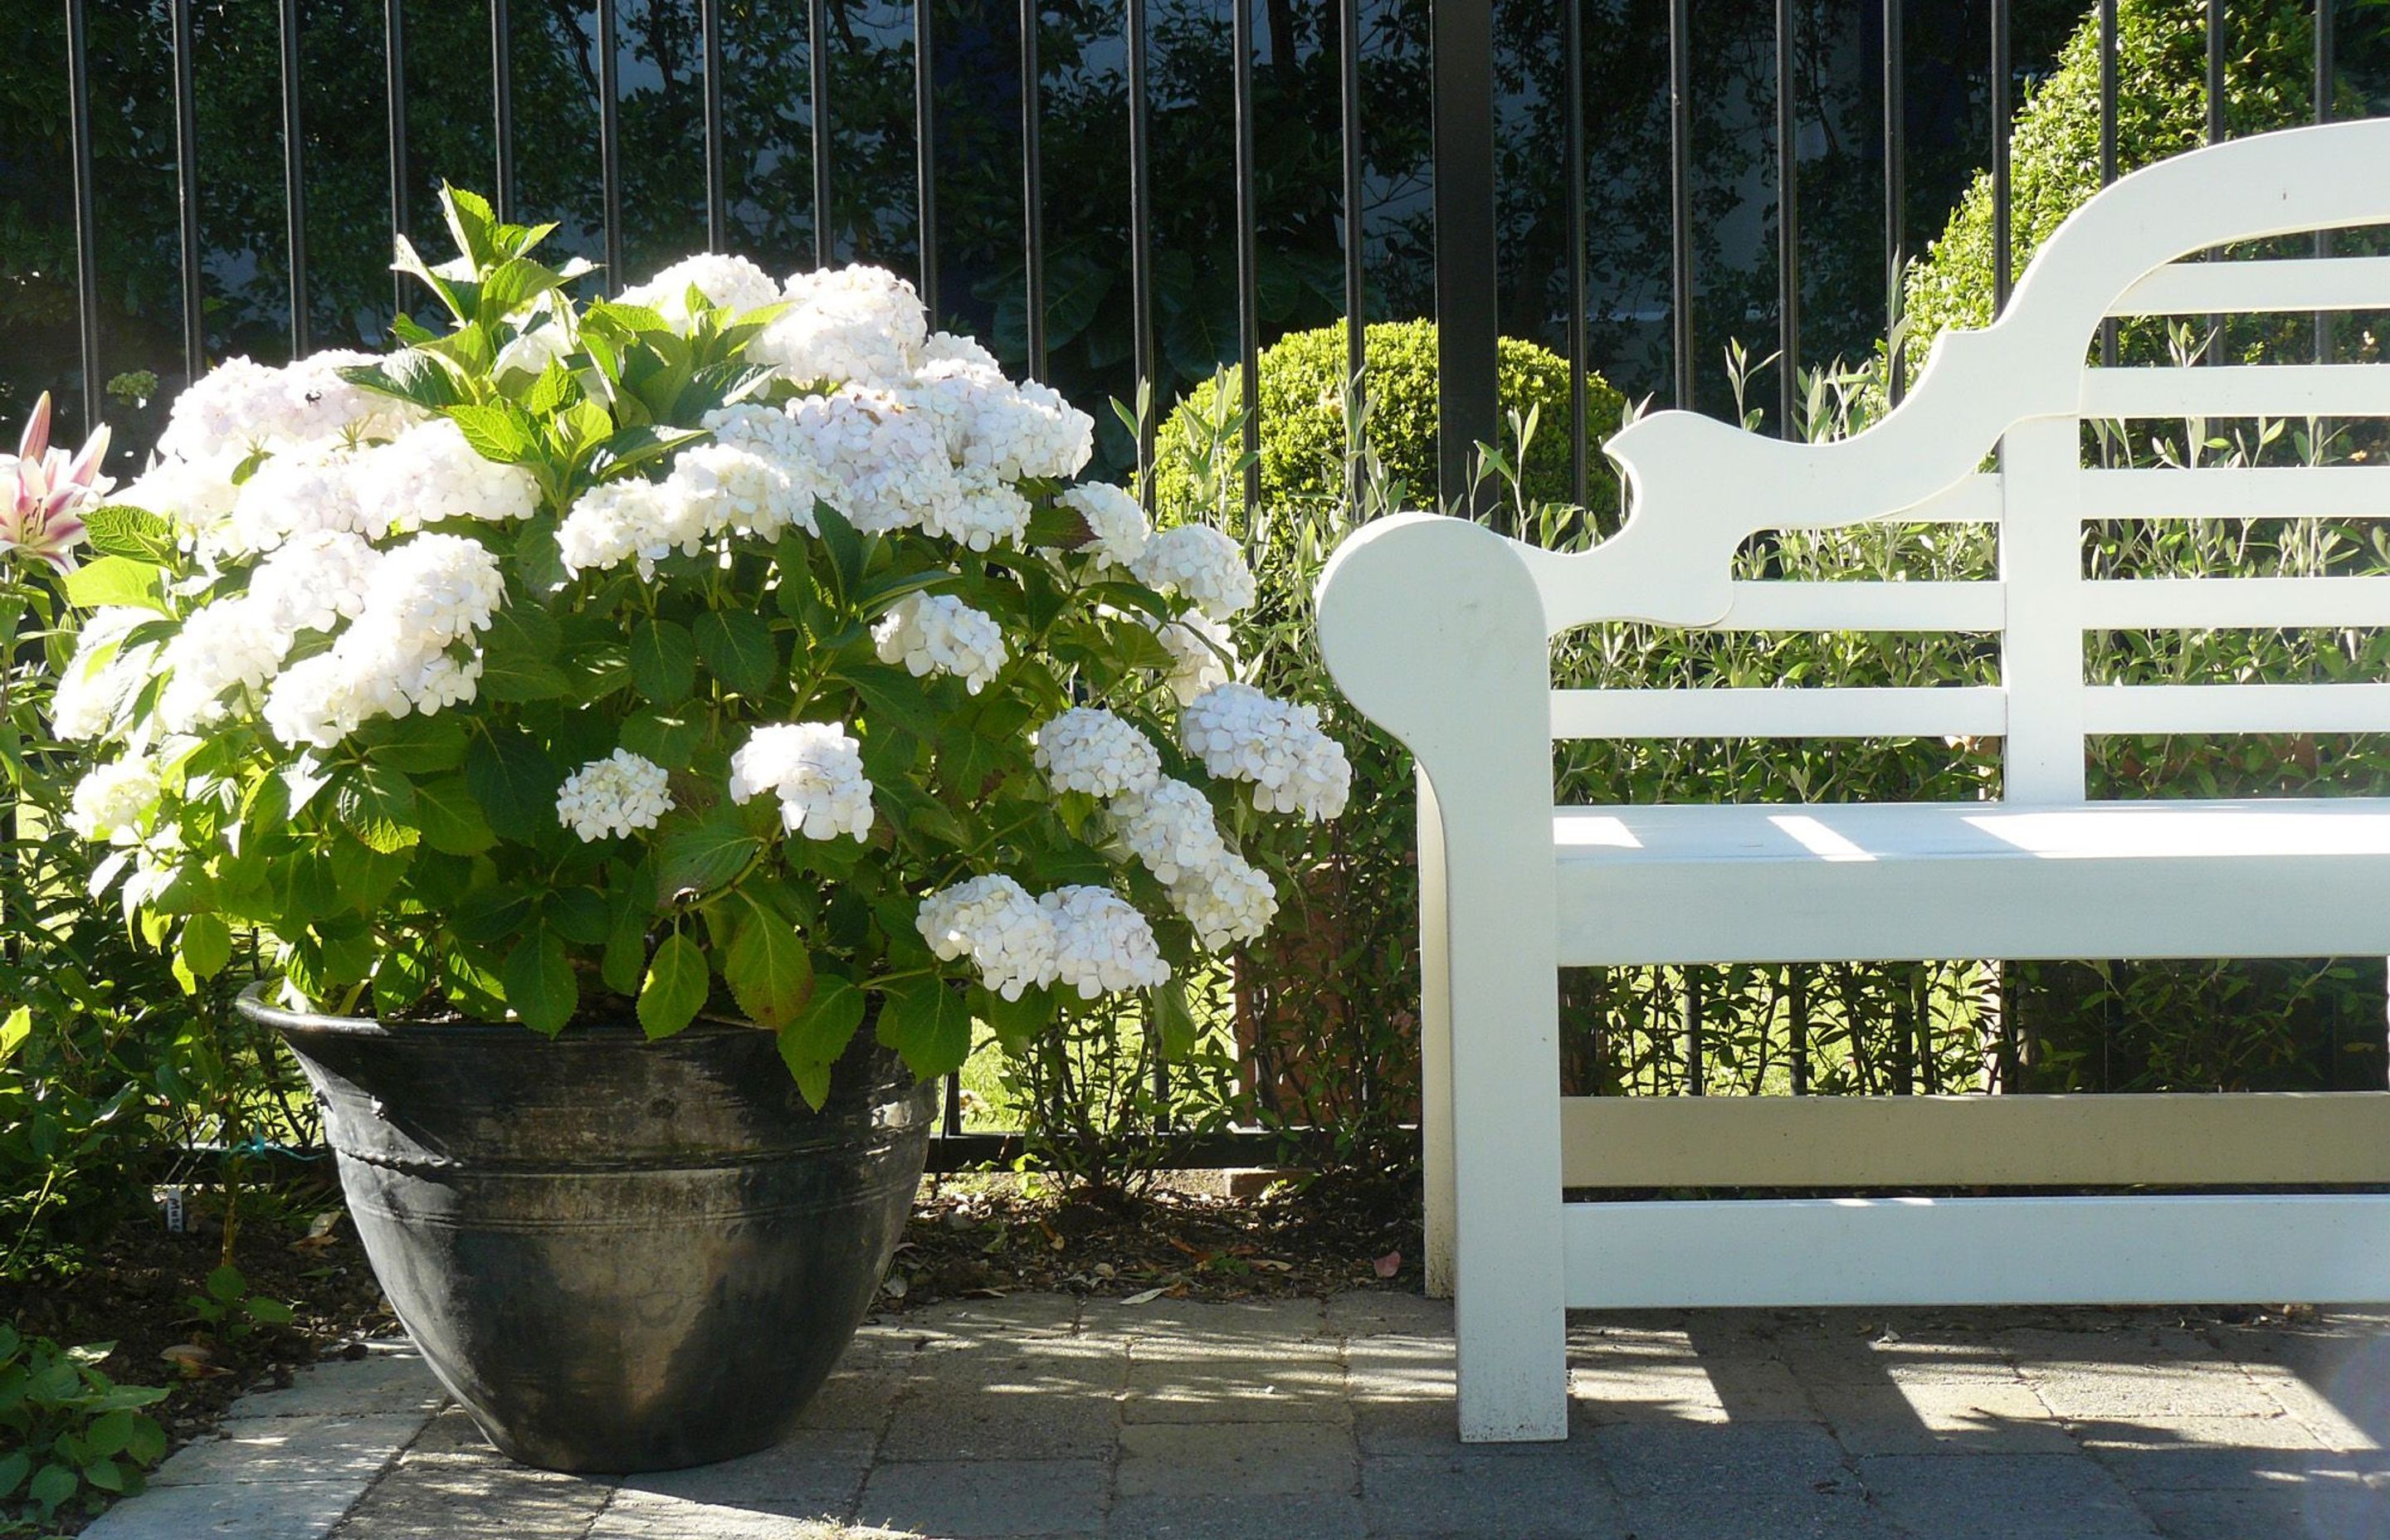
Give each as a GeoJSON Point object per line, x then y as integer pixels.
{"type": "Point", "coordinates": [1311, 1420]}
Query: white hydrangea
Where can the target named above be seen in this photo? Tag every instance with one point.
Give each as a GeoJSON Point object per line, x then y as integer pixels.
{"type": "Point", "coordinates": [613, 796]}
{"type": "Point", "coordinates": [846, 325]}
{"type": "Point", "coordinates": [884, 462]}
{"type": "Point", "coordinates": [730, 283]}
{"type": "Point", "coordinates": [631, 520]}
{"type": "Point", "coordinates": [1117, 528]}
{"type": "Point", "coordinates": [1028, 429]}
{"type": "Point", "coordinates": [111, 801]}
{"type": "Point", "coordinates": [244, 405]}
{"type": "Point", "coordinates": [1241, 734]}
{"type": "Point", "coordinates": [1009, 938]}
{"type": "Point", "coordinates": [759, 466]}
{"type": "Point", "coordinates": [816, 770]}
{"type": "Point", "coordinates": [1202, 654]}
{"type": "Point", "coordinates": [542, 339]}
{"type": "Point", "coordinates": [1227, 902]}
{"type": "Point", "coordinates": [1088, 748]}
{"type": "Point", "coordinates": [940, 634]}
{"type": "Point", "coordinates": [103, 673]}
{"type": "Point", "coordinates": [313, 582]}
{"type": "Point", "coordinates": [290, 494]}
{"type": "Point", "coordinates": [1201, 564]}
{"type": "Point", "coordinates": [1170, 828]}
{"type": "Point", "coordinates": [227, 643]}
{"type": "Point", "coordinates": [1101, 945]}
{"type": "Point", "coordinates": [948, 347]}
{"type": "Point", "coordinates": [429, 473]}
{"type": "Point", "coordinates": [988, 512]}
{"type": "Point", "coordinates": [428, 595]}
{"type": "Point", "coordinates": [196, 495]}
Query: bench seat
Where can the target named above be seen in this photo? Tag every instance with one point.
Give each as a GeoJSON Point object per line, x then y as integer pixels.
{"type": "Point", "coordinates": [1767, 884]}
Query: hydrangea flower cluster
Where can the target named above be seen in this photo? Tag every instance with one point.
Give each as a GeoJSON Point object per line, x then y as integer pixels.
{"type": "Point", "coordinates": [1088, 748]}
{"type": "Point", "coordinates": [814, 769]}
{"type": "Point", "coordinates": [1241, 734]}
{"type": "Point", "coordinates": [940, 634]}
{"type": "Point", "coordinates": [613, 796]}
{"type": "Point", "coordinates": [678, 646]}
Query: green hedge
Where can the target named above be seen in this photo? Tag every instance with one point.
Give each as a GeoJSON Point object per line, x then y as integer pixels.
{"type": "Point", "coordinates": [1302, 417]}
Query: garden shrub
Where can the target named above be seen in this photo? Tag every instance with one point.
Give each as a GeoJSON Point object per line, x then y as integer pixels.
{"type": "Point", "coordinates": [1303, 419]}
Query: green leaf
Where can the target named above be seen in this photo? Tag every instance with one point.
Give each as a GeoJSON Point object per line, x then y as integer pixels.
{"type": "Point", "coordinates": [706, 853]}
{"type": "Point", "coordinates": [490, 914]}
{"type": "Point", "coordinates": [470, 220]}
{"type": "Point", "coordinates": [627, 450]}
{"type": "Point", "coordinates": [675, 989]}
{"type": "Point", "coordinates": [227, 1283]}
{"type": "Point", "coordinates": [417, 745]}
{"type": "Point", "coordinates": [377, 804]}
{"type": "Point", "coordinates": [813, 1042]}
{"type": "Point", "coordinates": [52, 1485]}
{"type": "Point", "coordinates": [929, 1022]}
{"type": "Point", "coordinates": [13, 1033]}
{"type": "Point", "coordinates": [516, 282]}
{"type": "Point", "coordinates": [499, 431]}
{"type": "Point", "coordinates": [15, 1465]}
{"type": "Point", "coordinates": [846, 548]}
{"type": "Point", "coordinates": [669, 739]}
{"type": "Point", "coordinates": [451, 821]}
{"type": "Point", "coordinates": [1018, 1022]}
{"type": "Point", "coordinates": [115, 580]}
{"type": "Point", "coordinates": [539, 982]}
{"type": "Point", "coordinates": [111, 1433]}
{"type": "Point", "coordinates": [1174, 1024]}
{"type": "Point", "coordinates": [737, 646]}
{"type": "Point", "coordinates": [578, 915]}
{"type": "Point", "coordinates": [514, 780]}
{"type": "Point", "coordinates": [769, 972]}
{"type": "Point", "coordinates": [136, 534]}
{"type": "Point", "coordinates": [894, 697]}
{"type": "Point", "coordinates": [206, 945]}
{"type": "Point", "coordinates": [664, 662]}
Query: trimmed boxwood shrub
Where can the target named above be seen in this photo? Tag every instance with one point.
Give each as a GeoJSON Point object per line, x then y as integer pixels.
{"type": "Point", "coordinates": [1302, 417]}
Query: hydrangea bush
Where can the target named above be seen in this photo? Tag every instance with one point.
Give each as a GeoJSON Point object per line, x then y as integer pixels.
{"type": "Point", "coordinates": [735, 646]}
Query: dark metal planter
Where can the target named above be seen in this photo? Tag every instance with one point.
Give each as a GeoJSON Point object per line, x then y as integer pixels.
{"type": "Point", "coordinates": [618, 1255]}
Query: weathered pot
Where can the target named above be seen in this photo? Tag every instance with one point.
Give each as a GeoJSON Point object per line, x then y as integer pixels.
{"type": "Point", "coordinates": [618, 1255]}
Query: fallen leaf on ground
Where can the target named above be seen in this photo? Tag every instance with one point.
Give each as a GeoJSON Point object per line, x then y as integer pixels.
{"type": "Point", "coordinates": [1389, 1265]}
{"type": "Point", "coordinates": [1143, 1296]}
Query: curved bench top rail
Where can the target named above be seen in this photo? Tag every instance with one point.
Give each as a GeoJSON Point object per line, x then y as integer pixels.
{"type": "Point", "coordinates": [1698, 488]}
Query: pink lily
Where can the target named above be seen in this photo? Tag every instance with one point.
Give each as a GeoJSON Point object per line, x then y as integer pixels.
{"type": "Point", "coordinates": [43, 492]}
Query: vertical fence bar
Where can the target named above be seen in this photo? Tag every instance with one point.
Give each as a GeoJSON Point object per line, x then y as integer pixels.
{"type": "Point", "coordinates": [2108, 129]}
{"type": "Point", "coordinates": [1573, 61]}
{"type": "Point", "coordinates": [86, 226]}
{"type": "Point", "coordinates": [1696, 1057]}
{"type": "Point", "coordinates": [1033, 187]}
{"type": "Point", "coordinates": [186, 196]}
{"type": "Point", "coordinates": [2215, 134]}
{"type": "Point", "coordinates": [952, 1124]}
{"type": "Point", "coordinates": [610, 139]}
{"type": "Point", "coordinates": [2325, 72]}
{"type": "Point", "coordinates": [925, 150]}
{"type": "Point", "coordinates": [1681, 193]}
{"type": "Point", "coordinates": [717, 190]}
{"type": "Point", "coordinates": [1466, 394]}
{"type": "Point", "coordinates": [502, 103]}
{"type": "Point", "coordinates": [1788, 233]}
{"type": "Point", "coordinates": [1140, 240]}
{"type": "Point", "coordinates": [817, 69]}
{"type": "Point", "coordinates": [1249, 320]}
{"type": "Point", "coordinates": [1356, 344]}
{"type": "Point", "coordinates": [2002, 242]}
{"type": "Point", "coordinates": [1796, 1013]}
{"type": "Point", "coordinates": [1896, 237]}
{"type": "Point", "coordinates": [294, 187]}
{"type": "Point", "coordinates": [394, 63]}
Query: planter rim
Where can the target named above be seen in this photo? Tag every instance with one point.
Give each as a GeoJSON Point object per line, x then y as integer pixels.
{"type": "Point", "coordinates": [253, 1003]}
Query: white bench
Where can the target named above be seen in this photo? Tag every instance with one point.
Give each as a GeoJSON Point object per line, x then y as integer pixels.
{"type": "Point", "coordinates": [1439, 629]}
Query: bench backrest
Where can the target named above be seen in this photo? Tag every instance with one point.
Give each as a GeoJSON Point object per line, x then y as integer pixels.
{"type": "Point", "coordinates": [2020, 390]}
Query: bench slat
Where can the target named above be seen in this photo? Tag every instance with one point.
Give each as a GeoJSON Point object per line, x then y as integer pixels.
{"type": "Point", "coordinates": [2238, 391]}
{"type": "Point", "coordinates": [2237, 708]}
{"type": "Point", "coordinates": [2244, 288]}
{"type": "Point", "coordinates": [1977, 710]}
{"type": "Point", "coordinates": [2289, 1137]}
{"type": "Point", "coordinates": [2169, 1250]}
{"type": "Point", "coordinates": [2226, 602]}
{"type": "Point", "coordinates": [2319, 491]}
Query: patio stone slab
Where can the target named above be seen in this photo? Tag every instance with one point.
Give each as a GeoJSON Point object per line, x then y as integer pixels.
{"type": "Point", "coordinates": [1033, 1417]}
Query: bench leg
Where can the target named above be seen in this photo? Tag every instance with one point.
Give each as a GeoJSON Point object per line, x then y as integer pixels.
{"type": "Point", "coordinates": [1435, 1050]}
{"type": "Point", "coordinates": [1510, 1310]}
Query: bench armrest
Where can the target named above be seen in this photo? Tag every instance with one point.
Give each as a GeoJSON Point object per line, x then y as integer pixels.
{"type": "Point", "coordinates": [1432, 627]}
